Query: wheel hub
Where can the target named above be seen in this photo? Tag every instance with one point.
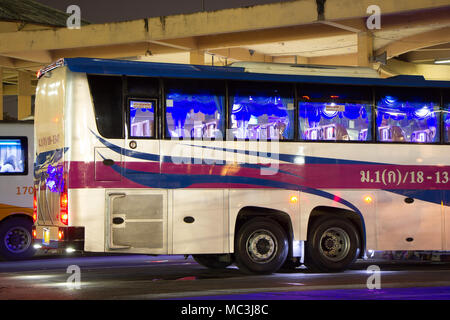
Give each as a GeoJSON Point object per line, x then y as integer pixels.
{"type": "Point", "coordinates": [335, 244]}
{"type": "Point", "coordinates": [261, 246]}
{"type": "Point", "coordinates": [17, 240]}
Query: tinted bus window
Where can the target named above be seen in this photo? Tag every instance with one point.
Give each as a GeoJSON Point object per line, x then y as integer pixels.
{"type": "Point", "coordinates": [13, 153]}
{"type": "Point", "coordinates": [195, 109]}
{"type": "Point", "coordinates": [106, 94]}
{"type": "Point", "coordinates": [261, 111]}
{"type": "Point", "coordinates": [142, 118]}
{"type": "Point", "coordinates": [408, 115]}
{"type": "Point", "coordinates": [143, 87]}
{"type": "Point", "coordinates": [335, 113]}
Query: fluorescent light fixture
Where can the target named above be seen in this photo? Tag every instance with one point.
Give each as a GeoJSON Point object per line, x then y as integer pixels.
{"type": "Point", "coordinates": [442, 61]}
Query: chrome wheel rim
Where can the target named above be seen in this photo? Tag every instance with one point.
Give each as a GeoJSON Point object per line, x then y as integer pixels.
{"type": "Point", "coordinates": [261, 246]}
{"type": "Point", "coordinates": [334, 244]}
{"type": "Point", "coordinates": [17, 239]}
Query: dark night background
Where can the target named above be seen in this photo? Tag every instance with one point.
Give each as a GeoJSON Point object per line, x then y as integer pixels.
{"type": "Point", "coordinates": [101, 11]}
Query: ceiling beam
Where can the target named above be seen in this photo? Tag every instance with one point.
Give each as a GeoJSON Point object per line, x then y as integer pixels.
{"type": "Point", "coordinates": [414, 42]}
{"type": "Point", "coordinates": [240, 54]}
{"type": "Point", "coordinates": [228, 21]}
{"type": "Point", "coordinates": [350, 59]}
{"type": "Point", "coordinates": [276, 35]}
{"type": "Point", "coordinates": [426, 56]}
{"type": "Point", "coordinates": [429, 71]}
{"type": "Point", "coordinates": [40, 56]}
{"type": "Point", "coordinates": [186, 44]}
{"type": "Point", "coordinates": [116, 51]}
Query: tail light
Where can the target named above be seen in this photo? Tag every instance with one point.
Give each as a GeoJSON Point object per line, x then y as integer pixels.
{"type": "Point", "coordinates": [34, 206]}
{"type": "Point", "coordinates": [63, 204]}
{"type": "Point", "coordinates": [34, 233]}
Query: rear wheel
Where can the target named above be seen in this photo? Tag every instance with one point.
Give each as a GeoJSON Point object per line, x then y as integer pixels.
{"type": "Point", "coordinates": [15, 239]}
{"type": "Point", "coordinates": [213, 261]}
{"type": "Point", "coordinates": [333, 245]}
{"type": "Point", "coordinates": [261, 246]}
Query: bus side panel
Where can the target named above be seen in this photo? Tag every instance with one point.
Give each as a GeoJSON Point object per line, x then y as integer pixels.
{"type": "Point", "coordinates": [264, 198]}
{"type": "Point", "coordinates": [89, 206]}
{"type": "Point", "coordinates": [199, 221]}
{"type": "Point", "coordinates": [446, 224]}
{"type": "Point", "coordinates": [344, 199]}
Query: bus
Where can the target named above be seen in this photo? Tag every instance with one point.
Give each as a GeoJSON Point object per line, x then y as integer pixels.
{"type": "Point", "coordinates": [238, 165]}
{"type": "Point", "coordinates": [16, 190]}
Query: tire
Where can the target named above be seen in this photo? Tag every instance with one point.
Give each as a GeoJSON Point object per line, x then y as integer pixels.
{"type": "Point", "coordinates": [261, 246]}
{"type": "Point", "coordinates": [213, 261]}
{"type": "Point", "coordinates": [16, 241]}
{"type": "Point", "coordinates": [333, 245]}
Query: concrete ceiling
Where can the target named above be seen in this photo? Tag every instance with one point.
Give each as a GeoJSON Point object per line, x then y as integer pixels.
{"type": "Point", "coordinates": [415, 31]}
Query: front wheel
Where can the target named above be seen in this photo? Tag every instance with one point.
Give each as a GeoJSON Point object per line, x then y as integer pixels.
{"type": "Point", "coordinates": [261, 246]}
{"type": "Point", "coordinates": [333, 245]}
{"type": "Point", "coordinates": [15, 239]}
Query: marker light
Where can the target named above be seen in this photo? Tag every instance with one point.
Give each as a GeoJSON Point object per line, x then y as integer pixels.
{"type": "Point", "coordinates": [34, 207]}
{"type": "Point", "coordinates": [293, 199]}
{"type": "Point", "coordinates": [63, 204]}
{"type": "Point", "coordinates": [368, 199]}
{"type": "Point", "coordinates": [34, 234]}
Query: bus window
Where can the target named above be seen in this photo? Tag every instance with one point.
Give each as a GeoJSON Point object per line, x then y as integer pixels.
{"type": "Point", "coordinates": [408, 115]}
{"type": "Point", "coordinates": [106, 94]}
{"type": "Point", "coordinates": [335, 113]}
{"type": "Point", "coordinates": [261, 111]}
{"type": "Point", "coordinates": [142, 118]}
{"type": "Point", "coordinates": [447, 124]}
{"type": "Point", "coordinates": [12, 156]}
{"type": "Point", "coordinates": [195, 109]}
{"type": "Point", "coordinates": [446, 116]}
{"type": "Point", "coordinates": [142, 87]}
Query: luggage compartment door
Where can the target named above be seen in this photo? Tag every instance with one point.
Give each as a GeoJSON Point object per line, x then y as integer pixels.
{"type": "Point", "coordinates": [137, 221]}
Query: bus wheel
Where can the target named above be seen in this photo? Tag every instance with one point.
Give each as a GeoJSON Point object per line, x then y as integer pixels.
{"type": "Point", "coordinates": [333, 245]}
{"type": "Point", "coordinates": [213, 261]}
{"type": "Point", "coordinates": [15, 239]}
{"type": "Point", "coordinates": [261, 246]}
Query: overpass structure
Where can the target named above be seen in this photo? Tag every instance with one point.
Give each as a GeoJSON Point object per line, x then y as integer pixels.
{"type": "Point", "coordinates": [413, 35]}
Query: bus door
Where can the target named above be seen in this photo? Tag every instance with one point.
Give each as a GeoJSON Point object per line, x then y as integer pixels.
{"type": "Point", "coordinates": [137, 213]}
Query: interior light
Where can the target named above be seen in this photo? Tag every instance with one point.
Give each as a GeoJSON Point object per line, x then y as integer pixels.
{"type": "Point", "coordinates": [422, 112]}
{"type": "Point", "coordinates": [442, 61]}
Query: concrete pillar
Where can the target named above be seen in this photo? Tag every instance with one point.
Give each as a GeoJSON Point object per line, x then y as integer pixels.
{"type": "Point", "coordinates": [365, 49]}
{"type": "Point", "coordinates": [197, 57]}
{"type": "Point", "coordinates": [1, 93]}
{"type": "Point", "coordinates": [24, 95]}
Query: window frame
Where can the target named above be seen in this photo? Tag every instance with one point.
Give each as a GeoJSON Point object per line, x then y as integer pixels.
{"type": "Point", "coordinates": [293, 87]}
{"type": "Point", "coordinates": [439, 121]}
{"type": "Point", "coordinates": [371, 104]}
{"type": "Point", "coordinates": [164, 129]}
{"type": "Point", "coordinates": [24, 145]}
{"type": "Point", "coordinates": [128, 118]}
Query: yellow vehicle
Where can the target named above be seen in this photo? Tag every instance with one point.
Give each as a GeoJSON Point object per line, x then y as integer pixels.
{"type": "Point", "coordinates": [16, 190]}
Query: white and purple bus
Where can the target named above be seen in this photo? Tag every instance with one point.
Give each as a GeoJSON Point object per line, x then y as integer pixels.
{"type": "Point", "coordinates": [241, 164]}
